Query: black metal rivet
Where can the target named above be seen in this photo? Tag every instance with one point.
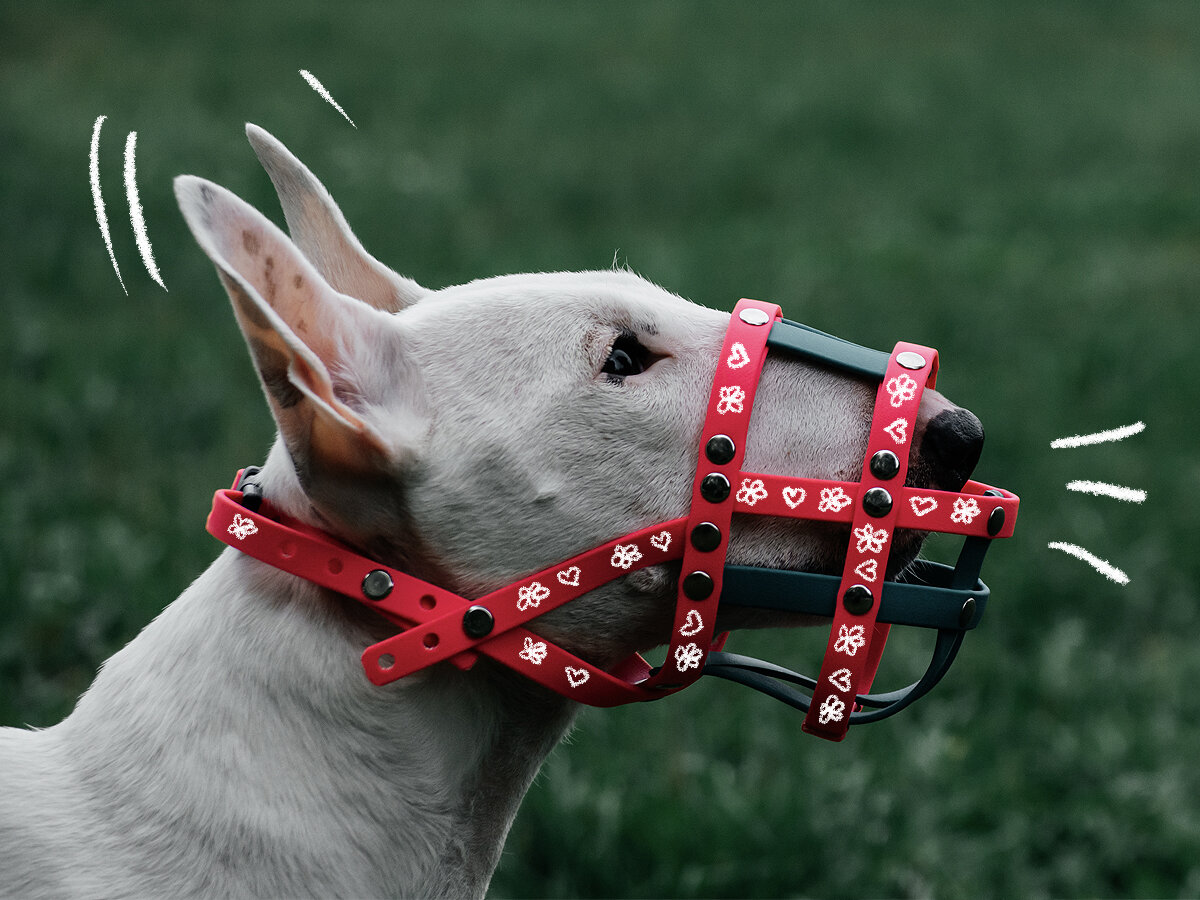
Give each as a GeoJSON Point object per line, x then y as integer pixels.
{"type": "Point", "coordinates": [706, 537]}
{"type": "Point", "coordinates": [377, 584]}
{"type": "Point", "coordinates": [858, 600]}
{"type": "Point", "coordinates": [885, 464]}
{"type": "Point", "coordinates": [720, 449]}
{"type": "Point", "coordinates": [877, 502]}
{"type": "Point", "coordinates": [714, 487]}
{"type": "Point", "coordinates": [698, 586]}
{"type": "Point", "coordinates": [478, 622]}
{"type": "Point", "coordinates": [995, 521]}
{"type": "Point", "coordinates": [967, 613]}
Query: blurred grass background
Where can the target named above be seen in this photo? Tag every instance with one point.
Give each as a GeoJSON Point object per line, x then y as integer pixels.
{"type": "Point", "coordinates": [1013, 183]}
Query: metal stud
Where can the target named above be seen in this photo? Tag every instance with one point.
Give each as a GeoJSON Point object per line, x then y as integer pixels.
{"type": "Point", "coordinates": [995, 521]}
{"type": "Point", "coordinates": [706, 537]}
{"type": "Point", "coordinates": [720, 449]}
{"type": "Point", "coordinates": [377, 584]}
{"type": "Point", "coordinates": [697, 586]}
{"type": "Point", "coordinates": [858, 600]}
{"type": "Point", "coordinates": [877, 502]}
{"type": "Point", "coordinates": [714, 487]}
{"type": "Point", "coordinates": [754, 316]}
{"type": "Point", "coordinates": [967, 613]}
{"type": "Point", "coordinates": [911, 360]}
{"type": "Point", "coordinates": [478, 622]}
{"type": "Point", "coordinates": [885, 464]}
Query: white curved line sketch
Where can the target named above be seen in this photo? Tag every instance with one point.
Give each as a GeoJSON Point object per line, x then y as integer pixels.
{"type": "Point", "coordinates": [1100, 437]}
{"type": "Point", "coordinates": [1104, 489]}
{"type": "Point", "coordinates": [320, 89]}
{"type": "Point", "coordinates": [98, 198]}
{"type": "Point", "coordinates": [136, 219]}
{"type": "Point", "coordinates": [1109, 571]}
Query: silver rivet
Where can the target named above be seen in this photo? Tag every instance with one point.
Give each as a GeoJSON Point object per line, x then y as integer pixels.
{"type": "Point", "coordinates": [911, 360]}
{"type": "Point", "coordinates": [754, 316]}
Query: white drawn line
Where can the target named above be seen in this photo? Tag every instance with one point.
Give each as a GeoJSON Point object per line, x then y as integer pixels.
{"type": "Point", "coordinates": [320, 89]}
{"type": "Point", "coordinates": [98, 199]}
{"type": "Point", "coordinates": [1100, 437]}
{"type": "Point", "coordinates": [1103, 489]}
{"type": "Point", "coordinates": [1109, 571]}
{"type": "Point", "coordinates": [136, 219]}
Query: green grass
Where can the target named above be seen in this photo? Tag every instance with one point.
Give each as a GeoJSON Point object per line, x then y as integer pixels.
{"type": "Point", "coordinates": [1015, 184]}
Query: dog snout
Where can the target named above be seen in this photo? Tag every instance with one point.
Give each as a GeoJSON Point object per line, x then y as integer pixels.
{"type": "Point", "coordinates": [951, 446]}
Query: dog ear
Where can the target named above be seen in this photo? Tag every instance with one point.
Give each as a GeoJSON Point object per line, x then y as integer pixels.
{"type": "Point", "coordinates": [322, 234]}
{"type": "Point", "coordinates": [312, 346]}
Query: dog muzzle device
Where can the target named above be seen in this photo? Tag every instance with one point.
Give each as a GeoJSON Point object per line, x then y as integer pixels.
{"type": "Point", "coordinates": [438, 625]}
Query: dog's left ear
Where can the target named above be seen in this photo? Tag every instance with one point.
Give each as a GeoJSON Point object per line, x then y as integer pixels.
{"type": "Point", "coordinates": [323, 235]}
{"type": "Point", "coordinates": [322, 356]}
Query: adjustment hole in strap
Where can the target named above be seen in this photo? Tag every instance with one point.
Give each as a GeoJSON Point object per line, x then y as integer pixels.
{"type": "Point", "coordinates": [287, 549]}
{"type": "Point", "coordinates": [334, 566]}
{"type": "Point", "coordinates": [431, 641]}
{"type": "Point", "coordinates": [385, 662]}
{"type": "Point", "coordinates": [428, 601]}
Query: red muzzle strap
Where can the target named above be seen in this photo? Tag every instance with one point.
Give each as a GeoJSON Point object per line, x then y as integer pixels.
{"type": "Point", "coordinates": [438, 625]}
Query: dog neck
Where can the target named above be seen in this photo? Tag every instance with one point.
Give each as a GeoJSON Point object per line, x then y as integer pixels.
{"type": "Point", "coordinates": [236, 748]}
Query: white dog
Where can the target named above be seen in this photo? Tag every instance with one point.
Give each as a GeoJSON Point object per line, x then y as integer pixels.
{"type": "Point", "coordinates": [468, 436]}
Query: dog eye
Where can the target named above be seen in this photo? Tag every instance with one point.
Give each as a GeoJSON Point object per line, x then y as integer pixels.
{"type": "Point", "coordinates": [627, 357]}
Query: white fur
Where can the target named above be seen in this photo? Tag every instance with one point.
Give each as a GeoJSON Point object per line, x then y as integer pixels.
{"type": "Point", "coordinates": [235, 748]}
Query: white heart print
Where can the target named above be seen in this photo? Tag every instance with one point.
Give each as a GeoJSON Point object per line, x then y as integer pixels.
{"type": "Point", "coordinates": [692, 625]}
{"type": "Point", "coordinates": [841, 680]}
{"type": "Point", "coordinates": [576, 677]}
{"type": "Point", "coordinates": [662, 540]}
{"type": "Point", "coordinates": [794, 496]}
{"type": "Point", "coordinates": [738, 356]}
{"type": "Point", "coordinates": [898, 431]}
{"type": "Point", "coordinates": [867, 571]}
{"type": "Point", "coordinates": [923, 506]}
{"type": "Point", "coordinates": [569, 576]}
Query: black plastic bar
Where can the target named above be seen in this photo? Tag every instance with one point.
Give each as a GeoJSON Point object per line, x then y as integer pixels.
{"type": "Point", "coordinates": [925, 600]}
{"type": "Point", "coordinates": [826, 348]}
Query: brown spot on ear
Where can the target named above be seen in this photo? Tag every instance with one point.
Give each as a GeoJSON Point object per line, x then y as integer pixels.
{"type": "Point", "coordinates": [248, 309]}
{"type": "Point", "coordinates": [298, 282]}
{"type": "Point", "coordinates": [273, 369]}
{"type": "Point", "coordinates": [250, 242]}
{"type": "Point", "coordinates": [269, 278]}
{"type": "Point", "coordinates": [206, 194]}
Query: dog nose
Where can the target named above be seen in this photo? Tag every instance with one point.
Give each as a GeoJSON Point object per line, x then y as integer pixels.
{"type": "Point", "coordinates": [951, 446]}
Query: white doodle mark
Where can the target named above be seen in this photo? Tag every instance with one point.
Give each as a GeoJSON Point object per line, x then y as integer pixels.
{"type": "Point", "coordinates": [569, 576]}
{"type": "Point", "coordinates": [692, 625]}
{"type": "Point", "coordinates": [964, 511]}
{"type": "Point", "coordinates": [531, 594]}
{"type": "Point", "coordinates": [850, 639]}
{"type": "Point", "coordinates": [661, 541]}
{"type": "Point", "coordinates": [923, 506]}
{"type": "Point", "coordinates": [534, 651]}
{"type": "Point", "coordinates": [731, 399]}
{"type": "Point", "coordinates": [898, 431]}
{"type": "Point", "coordinates": [794, 496]}
{"type": "Point", "coordinates": [98, 199]}
{"type": "Point", "coordinates": [1100, 437]}
{"type": "Point", "coordinates": [738, 356]}
{"type": "Point", "coordinates": [136, 218]}
{"type": "Point", "coordinates": [832, 710]}
{"type": "Point", "coordinates": [1105, 568]}
{"type": "Point", "coordinates": [576, 677]}
{"type": "Point", "coordinates": [868, 570]}
{"type": "Point", "coordinates": [833, 500]}
{"type": "Point", "coordinates": [320, 89]}
{"type": "Point", "coordinates": [870, 540]}
{"type": "Point", "coordinates": [751, 491]}
{"type": "Point", "coordinates": [688, 656]}
{"type": "Point", "coordinates": [242, 527]}
{"type": "Point", "coordinates": [1103, 489]}
{"type": "Point", "coordinates": [841, 680]}
{"type": "Point", "coordinates": [625, 555]}
{"type": "Point", "coordinates": [901, 389]}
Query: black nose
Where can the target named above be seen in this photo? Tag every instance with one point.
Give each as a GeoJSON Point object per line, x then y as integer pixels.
{"type": "Point", "coordinates": [951, 447]}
